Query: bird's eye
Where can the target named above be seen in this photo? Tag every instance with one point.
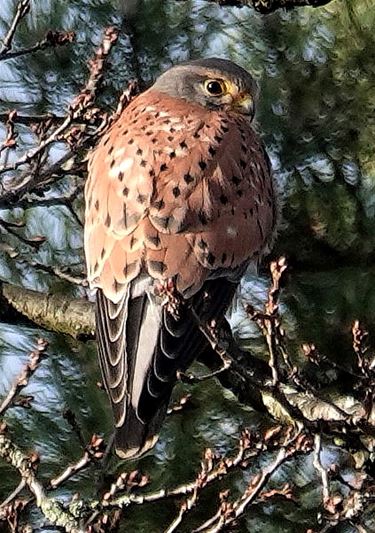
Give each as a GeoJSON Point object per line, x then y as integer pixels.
{"type": "Point", "coordinates": [214, 87]}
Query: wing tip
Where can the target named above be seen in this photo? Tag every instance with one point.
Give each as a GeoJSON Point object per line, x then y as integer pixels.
{"type": "Point", "coordinates": [136, 451]}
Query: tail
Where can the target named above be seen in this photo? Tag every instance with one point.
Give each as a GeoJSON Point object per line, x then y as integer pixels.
{"type": "Point", "coordinates": [141, 347]}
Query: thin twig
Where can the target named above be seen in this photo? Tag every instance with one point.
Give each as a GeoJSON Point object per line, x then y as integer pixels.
{"type": "Point", "coordinates": [94, 451]}
{"type": "Point", "coordinates": [22, 10]}
{"type": "Point", "coordinates": [34, 242]}
{"type": "Point", "coordinates": [11, 136]}
{"type": "Point", "coordinates": [216, 470]}
{"type": "Point", "coordinates": [52, 39]}
{"type": "Point", "coordinates": [180, 405]}
{"type": "Point", "coordinates": [23, 379]}
{"type": "Point", "coordinates": [272, 308]}
{"type": "Point", "coordinates": [193, 378]}
{"type": "Point", "coordinates": [31, 120]}
{"type": "Point", "coordinates": [30, 154]}
{"type": "Point", "coordinates": [50, 507]}
{"type": "Point", "coordinates": [230, 512]}
{"type": "Point", "coordinates": [21, 485]}
{"type": "Point", "coordinates": [319, 467]}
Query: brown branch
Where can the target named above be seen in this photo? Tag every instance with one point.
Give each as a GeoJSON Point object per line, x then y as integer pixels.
{"type": "Point", "coordinates": [269, 321]}
{"type": "Point", "coordinates": [30, 120]}
{"type": "Point", "coordinates": [33, 152]}
{"type": "Point", "coordinates": [185, 377]}
{"type": "Point", "coordinates": [82, 109]}
{"type": "Point", "coordinates": [230, 512]}
{"type": "Point", "coordinates": [124, 482]}
{"type": "Point", "coordinates": [27, 183]}
{"type": "Point", "coordinates": [65, 201]}
{"type": "Point", "coordinates": [11, 512]}
{"type": "Point", "coordinates": [51, 40]}
{"type": "Point", "coordinates": [213, 468]}
{"type": "Point", "coordinates": [97, 64]}
{"type": "Point", "coordinates": [11, 136]}
{"type": "Point", "coordinates": [22, 9]}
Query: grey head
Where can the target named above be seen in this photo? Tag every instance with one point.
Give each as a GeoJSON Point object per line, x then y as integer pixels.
{"type": "Point", "coordinates": [213, 83]}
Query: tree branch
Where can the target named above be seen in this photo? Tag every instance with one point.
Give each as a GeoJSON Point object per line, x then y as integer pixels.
{"type": "Point", "coordinates": [50, 507]}
{"type": "Point", "coordinates": [248, 377]}
{"type": "Point", "coordinates": [269, 6]}
{"type": "Point", "coordinates": [22, 9]}
{"type": "Point", "coordinates": [24, 376]}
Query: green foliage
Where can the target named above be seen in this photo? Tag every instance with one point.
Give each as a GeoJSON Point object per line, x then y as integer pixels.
{"type": "Point", "coordinates": [315, 68]}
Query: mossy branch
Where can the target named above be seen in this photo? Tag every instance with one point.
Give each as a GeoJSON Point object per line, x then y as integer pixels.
{"type": "Point", "coordinates": [50, 507]}
{"type": "Point", "coordinates": [56, 312]}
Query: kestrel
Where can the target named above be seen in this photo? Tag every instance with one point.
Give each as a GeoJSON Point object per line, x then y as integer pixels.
{"type": "Point", "coordinates": [179, 201]}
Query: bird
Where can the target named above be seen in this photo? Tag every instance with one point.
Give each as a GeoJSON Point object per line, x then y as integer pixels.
{"type": "Point", "coordinates": [180, 200]}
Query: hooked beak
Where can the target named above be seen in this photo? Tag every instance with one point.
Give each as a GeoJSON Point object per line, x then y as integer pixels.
{"type": "Point", "coordinates": [244, 104]}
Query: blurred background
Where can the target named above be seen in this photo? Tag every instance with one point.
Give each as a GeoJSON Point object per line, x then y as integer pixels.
{"type": "Point", "coordinates": [316, 72]}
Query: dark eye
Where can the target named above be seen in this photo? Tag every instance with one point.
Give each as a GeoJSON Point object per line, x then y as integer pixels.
{"type": "Point", "coordinates": [214, 87]}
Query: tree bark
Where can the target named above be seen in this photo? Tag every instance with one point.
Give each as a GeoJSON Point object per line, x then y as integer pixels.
{"type": "Point", "coordinates": [56, 312]}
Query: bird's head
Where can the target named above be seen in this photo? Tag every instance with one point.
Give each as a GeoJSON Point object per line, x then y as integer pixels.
{"type": "Point", "coordinates": [213, 83]}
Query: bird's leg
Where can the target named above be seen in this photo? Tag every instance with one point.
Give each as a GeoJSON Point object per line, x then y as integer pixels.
{"type": "Point", "coordinates": [213, 332]}
{"type": "Point", "coordinates": [171, 299]}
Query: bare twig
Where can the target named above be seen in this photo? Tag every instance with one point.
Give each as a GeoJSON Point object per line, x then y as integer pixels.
{"type": "Point", "coordinates": [97, 66]}
{"type": "Point", "coordinates": [21, 485]}
{"type": "Point", "coordinates": [35, 242]}
{"type": "Point", "coordinates": [31, 120]}
{"type": "Point", "coordinates": [360, 336]}
{"type": "Point", "coordinates": [319, 467]}
{"type": "Point", "coordinates": [82, 108]}
{"type": "Point", "coordinates": [180, 405]}
{"type": "Point", "coordinates": [50, 507]}
{"type": "Point", "coordinates": [94, 451]}
{"type": "Point", "coordinates": [23, 379]}
{"type": "Point", "coordinates": [22, 10]}
{"type": "Point", "coordinates": [11, 137]}
{"type": "Point", "coordinates": [61, 273]}
{"type": "Point", "coordinates": [230, 512]}
{"type": "Point", "coordinates": [213, 466]}
{"type": "Point", "coordinates": [269, 320]}
{"type": "Point", "coordinates": [193, 378]}
{"type": "Point", "coordinates": [207, 466]}
{"type": "Point", "coordinates": [125, 482]}
{"type": "Point", "coordinates": [126, 97]}
{"type": "Point", "coordinates": [10, 514]}
{"type": "Point", "coordinates": [30, 154]}
{"type": "Point", "coordinates": [51, 39]}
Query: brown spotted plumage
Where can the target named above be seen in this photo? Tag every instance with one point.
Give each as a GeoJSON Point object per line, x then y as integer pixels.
{"type": "Point", "coordinates": [179, 195]}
